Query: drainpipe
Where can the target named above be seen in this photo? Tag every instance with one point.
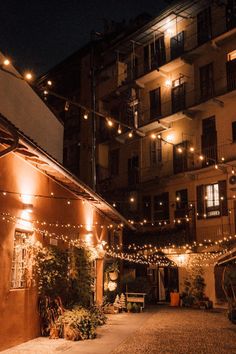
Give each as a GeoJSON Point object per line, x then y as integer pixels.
{"type": "Point", "coordinates": [14, 135]}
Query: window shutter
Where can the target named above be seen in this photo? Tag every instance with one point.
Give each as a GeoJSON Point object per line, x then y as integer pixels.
{"type": "Point", "coordinates": [223, 193]}
{"type": "Point", "coordinates": [200, 201]}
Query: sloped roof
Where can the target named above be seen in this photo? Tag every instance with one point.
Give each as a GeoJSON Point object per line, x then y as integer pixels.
{"type": "Point", "coordinates": [39, 159]}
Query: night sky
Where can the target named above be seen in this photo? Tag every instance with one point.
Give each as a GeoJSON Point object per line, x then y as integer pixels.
{"type": "Point", "coordinates": [37, 34]}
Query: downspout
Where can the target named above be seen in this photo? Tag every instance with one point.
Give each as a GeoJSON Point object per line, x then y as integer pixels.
{"type": "Point", "coordinates": [14, 135]}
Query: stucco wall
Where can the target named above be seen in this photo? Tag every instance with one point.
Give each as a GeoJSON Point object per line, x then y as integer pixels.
{"type": "Point", "coordinates": [25, 109]}
{"type": "Point", "coordinates": [18, 307]}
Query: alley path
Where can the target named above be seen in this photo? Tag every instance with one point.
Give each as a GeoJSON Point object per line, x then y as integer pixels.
{"type": "Point", "coordinates": [162, 330]}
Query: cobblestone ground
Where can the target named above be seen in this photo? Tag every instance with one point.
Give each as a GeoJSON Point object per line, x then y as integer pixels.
{"type": "Point", "coordinates": [182, 331]}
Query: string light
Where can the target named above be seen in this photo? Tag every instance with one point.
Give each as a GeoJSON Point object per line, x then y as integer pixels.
{"type": "Point", "coordinates": [28, 76]}
{"type": "Point", "coordinates": [49, 82]}
{"type": "Point", "coordinates": [119, 131]}
{"type": "Point", "coordinates": [6, 62]}
{"type": "Point", "coordinates": [130, 135]}
{"type": "Point", "coordinates": [109, 123]}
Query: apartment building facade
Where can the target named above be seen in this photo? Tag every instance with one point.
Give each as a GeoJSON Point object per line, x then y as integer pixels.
{"type": "Point", "coordinates": [164, 142]}
{"type": "Point", "coordinates": [171, 85]}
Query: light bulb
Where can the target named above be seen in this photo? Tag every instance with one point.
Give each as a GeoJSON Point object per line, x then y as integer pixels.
{"type": "Point", "coordinates": [130, 134]}
{"type": "Point", "coordinates": [6, 62]}
{"type": "Point", "coordinates": [28, 76]}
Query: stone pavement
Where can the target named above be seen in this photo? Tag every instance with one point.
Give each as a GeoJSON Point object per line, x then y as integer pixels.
{"type": "Point", "coordinates": [159, 330]}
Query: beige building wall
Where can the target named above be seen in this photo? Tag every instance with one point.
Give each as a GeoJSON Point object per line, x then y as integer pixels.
{"type": "Point", "coordinates": [26, 110]}
{"type": "Point", "coordinates": [18, 307]}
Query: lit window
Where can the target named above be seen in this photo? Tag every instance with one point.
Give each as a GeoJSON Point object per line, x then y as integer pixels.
{"type": "Point", "coordinates": [212, 194]}
{"type": "Point", "coordinates": [231, 56]}
{"type": "Point", "coordinates": [20, 258]}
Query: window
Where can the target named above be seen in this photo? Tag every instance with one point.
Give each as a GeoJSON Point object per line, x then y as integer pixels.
{"type": "Point", "coordinates": [212, 196]}
{"type": "Point", "coordinates": [114, 162]}
{"type": "Point", "coordinates": [147, 207]}
{"type": "Point", "coordinates": [204, 31]}
{"type": "Point", "coordinates": [234, 131]}
{"type": "Point", "coordinates": [181, 203]}
{"type": "Point", "coordinates": [20, 258]}
{"type": "Point", "coordinates": [209, 141]}
{"type": "Point", "coordinates": [206, 81]}
{"type": "Point", "coordinates": [177, 45]}
{"type": "Point", "coordinates": [212, 200]}
{"type": "Point", "coordinates": [154, 54]}
{"type": "Point", "coordinates": [155, 152]}
{"type": "Point", "coordinates": [155, 103]}
{"type": "Point", "coordinates": [133, 170]}
{"type": "Point", "coordinates": [231, 71]}
{"type": "Point", "coordinates": [161, 207]}
{"type": "Point", "coordinates": [181, 157]}
{"type": "Point", "coordinates": [230, 14]}
{"type": "Point", "coordinates": [178, 95]}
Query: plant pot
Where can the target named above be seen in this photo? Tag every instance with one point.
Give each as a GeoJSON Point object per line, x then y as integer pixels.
{"type": "Point", "coordinates": [113, 275]}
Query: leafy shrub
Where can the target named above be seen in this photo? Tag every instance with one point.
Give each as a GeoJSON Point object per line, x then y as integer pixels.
{"type": "Point", "coordinates": [76, 324]}
{"type": "Point", "coordinates": [97, 315]}
{"type": "Point", "coordinates": [129, 307]}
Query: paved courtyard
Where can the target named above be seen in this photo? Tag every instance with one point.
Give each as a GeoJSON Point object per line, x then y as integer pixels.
{"type": "Point", "coordinates": [161, 330]}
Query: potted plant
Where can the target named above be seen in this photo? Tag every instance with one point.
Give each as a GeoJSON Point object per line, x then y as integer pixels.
{"type": "Point", "coordinates": [112, 271]}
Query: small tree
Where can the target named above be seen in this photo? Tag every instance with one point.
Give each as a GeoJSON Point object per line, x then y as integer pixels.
{"type": "Point", "coordinates": [122, 301]}
{"type": "Point", "coordinates": [116, 303]}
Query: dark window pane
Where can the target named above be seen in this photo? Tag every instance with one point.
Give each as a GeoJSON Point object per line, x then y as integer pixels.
{"type": "Point", "coordinates": [206, 81]}
{"type": "Point", "coordinates": [133, 170]}
{"type": "Point", "coordinates": [234, 131]}
{"type": "Point", "coordinates": [155, 103]}
{"type": "Point", "coordinates": [180, 157]}
{"type": "Point", "coordinates": [231, 74]}
{"type": "Point", "coordinates": [204, 31]}
{"type": "Point", "coordinates": [181, 203]}
{"type": "Point", "coordinates": [209, 141]}
{"type": "Point", "coordinates": [147, 207]}
{"type": "Point", "coordinates": [178, 98]}
{"type": "Point", "coordinates": [114, 162]}
{"type": "Point", "coordinates": [161, 207]}
{"type": "Point", "coordinates": [230, 14]}
{"type": "Point", "coordinates": [177, 45]}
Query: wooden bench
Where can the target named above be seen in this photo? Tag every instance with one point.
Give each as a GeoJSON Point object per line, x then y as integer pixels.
{"type": "Point", "coordinates": [136, 298]}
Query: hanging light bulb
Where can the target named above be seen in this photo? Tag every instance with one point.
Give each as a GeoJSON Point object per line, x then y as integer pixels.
{"type": "Point", "coordinates": [168, 83]}
{"type": "Point", "coordinates": [49, 82]}
{"type": "Point", "coordinates": [201, 157]}
{"type": "Point", "coordinates": [130, 134]}
{"type": "Point", "coordinates": [180, 150]}
{"type": "Point", "coordinates": [153, 136]}
{"type": "Point", "coordinates": [109, 122]}
{"type": "Point", "coordinates": [191, 149]}
{"type": "Point", "coordinates": [28, 76]}
{"type": "Point", "coordinates": [85, 115]}
{"type": "Point", "coordinates": [6, 62]}
{"type": "Point", "coordinates": [119, 131]}
{"type": "Point", "coordinates": [67, 105]}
